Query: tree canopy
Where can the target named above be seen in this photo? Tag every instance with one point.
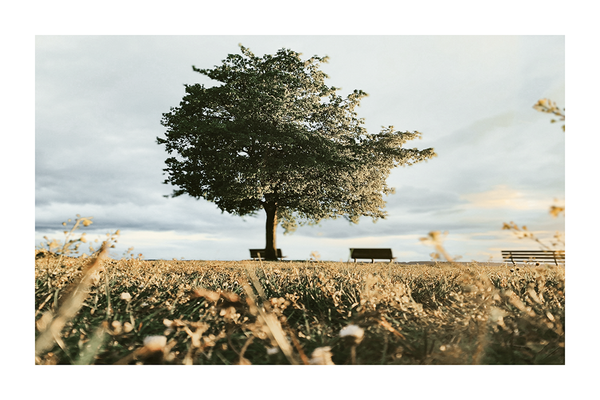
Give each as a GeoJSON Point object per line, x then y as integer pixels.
{"type": "Point", "coordinates": [274, 136]}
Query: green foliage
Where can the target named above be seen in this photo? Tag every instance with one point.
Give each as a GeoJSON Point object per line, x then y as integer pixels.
{"type": "Point", "coordinates": [274, 136]}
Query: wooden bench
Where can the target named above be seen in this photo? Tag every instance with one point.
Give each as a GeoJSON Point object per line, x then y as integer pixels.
{"type": "Point", "coordinates": [254, 253]}
{"type": "Point", "coordinates": [372, 254]}
{"type": "Point", "coordinates": [558, 256]}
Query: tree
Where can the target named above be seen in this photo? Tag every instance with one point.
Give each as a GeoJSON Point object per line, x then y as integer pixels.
{"type": "Point", "coordinates": [273, 136]}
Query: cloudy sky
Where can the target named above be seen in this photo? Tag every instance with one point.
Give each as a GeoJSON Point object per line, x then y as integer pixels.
{"type": "Point", "coordinates": [99, 102]}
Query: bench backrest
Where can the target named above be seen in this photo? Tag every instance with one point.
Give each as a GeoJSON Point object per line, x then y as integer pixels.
{"type": "Point", "coordinates": [550, 255]}
{"type": "Point", "coordinates": [254, 253]}
{"type": "Point", "coordinates": [371, 253]}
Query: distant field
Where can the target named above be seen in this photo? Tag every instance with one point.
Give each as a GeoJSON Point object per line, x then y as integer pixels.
{"type": "Point", "coordinates": [250, 312]}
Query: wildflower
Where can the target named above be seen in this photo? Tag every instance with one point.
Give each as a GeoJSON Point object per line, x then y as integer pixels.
{"type": "Point", "coordinates": [353, 333]}
{"type": "Point", "coordinates": [125, 296]}
{"type": "Point", "coordinates": [321, 356]}
{"type": "Point", "coordinates": [272, 350]}
{"type": "Point", "coordinates": [155, 343]}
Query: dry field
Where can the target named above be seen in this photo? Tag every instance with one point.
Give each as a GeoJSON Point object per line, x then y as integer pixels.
{"type": "Point", "coordinates": [128, 311]}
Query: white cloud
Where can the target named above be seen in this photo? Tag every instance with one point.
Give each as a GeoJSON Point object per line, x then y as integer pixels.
{"type": "Point", "coordinates": [504, 197]}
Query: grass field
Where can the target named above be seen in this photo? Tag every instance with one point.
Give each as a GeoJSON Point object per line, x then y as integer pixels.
{"type": "Point", "coordinates": [128, 311]}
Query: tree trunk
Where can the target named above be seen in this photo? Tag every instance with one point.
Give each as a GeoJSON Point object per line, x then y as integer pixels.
{"type": "Point", "coordinates": [271, 227]}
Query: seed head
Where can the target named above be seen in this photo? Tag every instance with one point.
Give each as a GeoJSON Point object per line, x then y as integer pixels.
{"type": "Point", "coordinates": [127, 327]}
{"type": "Point", "coordinates": [116, 325]}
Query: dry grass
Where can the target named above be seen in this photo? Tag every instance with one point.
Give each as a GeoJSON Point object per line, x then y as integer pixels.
{"type": "Point", "coordinates": [201, 312]}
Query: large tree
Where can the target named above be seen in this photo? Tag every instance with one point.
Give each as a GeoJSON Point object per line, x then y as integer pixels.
{"type": "Point", "coordinates": [274, 136]}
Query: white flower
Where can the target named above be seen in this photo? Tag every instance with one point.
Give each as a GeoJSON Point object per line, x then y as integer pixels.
{"type": "Point", "coordinates": [125, 296]}
{"type": "Point", "coordinates": [272, 350]}
{"type": "Point", "coordinates": [321, 356]}
{"type": "Point", "coordinates": [155, 343]}
{"type": "Point", "coordinates": [353, 330]}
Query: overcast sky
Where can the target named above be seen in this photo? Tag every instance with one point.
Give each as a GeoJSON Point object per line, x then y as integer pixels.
{"type": "Point", "coordinates": [99, 102]}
